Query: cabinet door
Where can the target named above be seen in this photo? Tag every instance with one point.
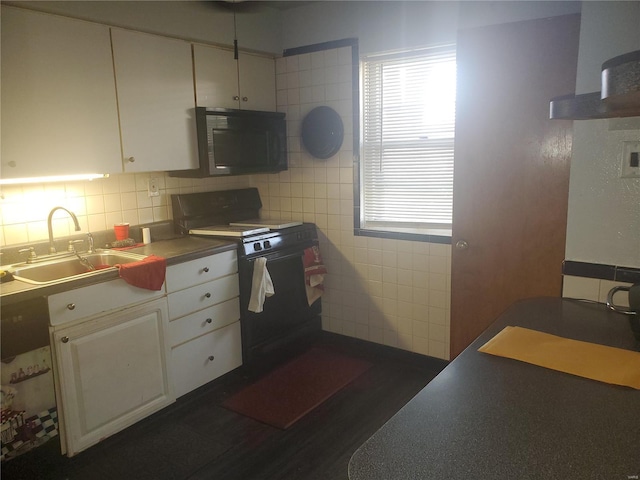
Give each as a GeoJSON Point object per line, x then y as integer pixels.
{"type": "Point", "coordinates": [59, 111]}
{"type": "Point", "coordinates": [154, 79]}
{"type": "Point", "coordinates": [112, 372]}
{"type": "Point", "coordinates": [257, 78]}
{"type": "Point", "coordinates": [216, 77]}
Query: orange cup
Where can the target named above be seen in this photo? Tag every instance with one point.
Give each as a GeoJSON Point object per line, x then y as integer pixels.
{"type": "Point", "coordinates": [122, 231]}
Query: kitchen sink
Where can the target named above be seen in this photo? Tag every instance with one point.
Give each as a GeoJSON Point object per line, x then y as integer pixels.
{"type": "Point", "coordinates": [57, 270]}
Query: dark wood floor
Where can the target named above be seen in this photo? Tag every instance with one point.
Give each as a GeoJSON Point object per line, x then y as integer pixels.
{"type": "Point", "coordinates": [198, 439]}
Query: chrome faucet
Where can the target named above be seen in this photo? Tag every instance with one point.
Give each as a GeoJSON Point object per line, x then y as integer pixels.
{"type": "Point", "coordinates": [90, 239]}
{"type": "Point", "coordinates": [52, 248]}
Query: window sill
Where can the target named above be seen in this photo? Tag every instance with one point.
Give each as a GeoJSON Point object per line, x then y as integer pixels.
{"type": "Point", "coordinates": [430, 235]}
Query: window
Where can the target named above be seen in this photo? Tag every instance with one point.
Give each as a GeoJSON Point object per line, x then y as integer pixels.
{"type": "Point", "coordinates": [407, 140]}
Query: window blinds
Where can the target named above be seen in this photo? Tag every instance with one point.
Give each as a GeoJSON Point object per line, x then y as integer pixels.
{"type": "Point", "coordinates": [408, 134]}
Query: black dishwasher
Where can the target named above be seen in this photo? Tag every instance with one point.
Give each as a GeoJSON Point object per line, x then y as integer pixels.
{"type": "Point", "coordinates": [29, 416]}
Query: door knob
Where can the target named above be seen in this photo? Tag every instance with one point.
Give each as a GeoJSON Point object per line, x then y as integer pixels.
{"type": "Point", "coordinates": [64, 339]}
{"type": "Point", "coordinates": [462, 245]}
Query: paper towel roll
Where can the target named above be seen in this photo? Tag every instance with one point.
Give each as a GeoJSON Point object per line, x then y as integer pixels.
{"type": "Point", "coordinates": [146, 235]}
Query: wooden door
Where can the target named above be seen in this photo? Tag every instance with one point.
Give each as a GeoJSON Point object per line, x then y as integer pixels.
{"type": "Point", "coordinates": [511, 176]}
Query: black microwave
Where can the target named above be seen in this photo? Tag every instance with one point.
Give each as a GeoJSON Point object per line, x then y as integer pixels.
{"type": "Point", "coordinates": [238, 142]}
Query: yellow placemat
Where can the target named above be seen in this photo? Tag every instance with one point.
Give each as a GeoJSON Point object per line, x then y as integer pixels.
{"type": "Point", "coordinates": [589, 360]}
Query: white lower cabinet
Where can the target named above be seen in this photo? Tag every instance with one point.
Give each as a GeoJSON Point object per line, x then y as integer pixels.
{"type": "Point", "coordinates": [112, 371]}
{"type": "Point", "coordinates": [204, 313]}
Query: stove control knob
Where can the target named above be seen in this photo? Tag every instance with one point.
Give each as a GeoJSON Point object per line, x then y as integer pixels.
{"type": "Point", "coordinates": [257, 247]}
{"type": "Point", "coordinates": [267, 244]}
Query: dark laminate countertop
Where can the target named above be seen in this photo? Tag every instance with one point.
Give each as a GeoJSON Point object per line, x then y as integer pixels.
{"type": "Point", "coordinates": [176, 250]}
{"type": "Point", "coordinates": [487, 417]}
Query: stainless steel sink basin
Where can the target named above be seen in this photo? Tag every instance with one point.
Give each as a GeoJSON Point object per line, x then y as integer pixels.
{"type": "Point", "coordinates": [56, 270]}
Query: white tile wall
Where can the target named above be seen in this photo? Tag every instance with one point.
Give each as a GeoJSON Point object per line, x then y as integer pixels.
{"type": "Point", "coordinates": [593, 289]}
{"type": "Point", "coordinates": [392, 292]}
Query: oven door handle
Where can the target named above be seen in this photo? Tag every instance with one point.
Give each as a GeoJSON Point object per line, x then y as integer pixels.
{"type": "Point", "coordinates": [282, 255]}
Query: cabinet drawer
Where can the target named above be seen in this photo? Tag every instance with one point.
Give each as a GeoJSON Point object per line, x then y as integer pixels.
{"type": "Point", "coordinates": [201, 270]}
{"type": "Point", "coordinates": [206, 358]}
{"type": "Point", "coordinates": [87, 301]}
{"type": "Point", "coordinates": [202, 296]}
{"type": "Point", "coordinates": [204, 321]}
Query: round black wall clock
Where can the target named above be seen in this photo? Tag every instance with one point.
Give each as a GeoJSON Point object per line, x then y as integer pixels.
{"type": "Point", "coordinates": [322, 132]}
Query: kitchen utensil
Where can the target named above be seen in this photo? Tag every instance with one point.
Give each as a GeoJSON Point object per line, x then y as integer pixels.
{"type": "Point", "coordinates": [634, 306]}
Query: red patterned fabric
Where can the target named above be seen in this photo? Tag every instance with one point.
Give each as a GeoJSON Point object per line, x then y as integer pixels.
{"type": "Point", "coordinates": [148, 273]}
{"type": "Point", "coordinates": [313, 265]}
{"type": "Point", "coordinates": [314, 271]}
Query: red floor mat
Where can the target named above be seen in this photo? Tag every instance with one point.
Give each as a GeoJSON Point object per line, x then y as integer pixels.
{"type": "Point", "coordinates": [291, 391]}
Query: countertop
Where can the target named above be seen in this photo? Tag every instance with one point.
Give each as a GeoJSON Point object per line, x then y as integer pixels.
{"type": "Point", "coordinates": [177, 250]}
{"type": "Point", "coordinates": [488, 417]}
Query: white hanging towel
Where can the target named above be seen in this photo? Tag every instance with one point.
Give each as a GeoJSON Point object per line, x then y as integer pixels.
{"type": "Point", "coordinates": [261, 286]}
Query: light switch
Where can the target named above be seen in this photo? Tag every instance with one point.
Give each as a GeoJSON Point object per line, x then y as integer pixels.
{"type": "Point", "coordinates": [153, 189]}
{"type": "Point", "coordinates": [630, 166]}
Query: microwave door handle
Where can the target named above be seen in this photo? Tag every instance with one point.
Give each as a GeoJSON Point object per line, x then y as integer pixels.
{"type": "Point", "coordinates": [275, 147]}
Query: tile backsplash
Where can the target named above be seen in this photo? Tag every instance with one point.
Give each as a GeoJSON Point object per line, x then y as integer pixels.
{"type": "Point", "coordinates": [593, 289]}
{"type": "Point", "coordinates": [98, 204]}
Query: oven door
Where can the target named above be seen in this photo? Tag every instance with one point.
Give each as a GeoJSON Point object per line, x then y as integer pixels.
{"type": "Point", "coordinates": [286, 317]}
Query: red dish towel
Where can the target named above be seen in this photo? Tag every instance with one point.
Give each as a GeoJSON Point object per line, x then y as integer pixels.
{"type": "Point", "coordinates": [148, 273]}
{"type": "Point", "coordinates": [314, 271]}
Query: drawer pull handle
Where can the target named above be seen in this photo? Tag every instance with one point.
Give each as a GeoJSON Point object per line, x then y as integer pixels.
{"type": "Point", "coordinates": [209, 320]}
{"type": "Point", "coordinates": [205, 269]}
{"type": "Point", "coordinates": [64, 339]}
{"type": "Point", "coordinates": [211, 357]}
{"type": "Point", "coordinates": [208, 295]}
{"type": "Point", "coordinates": [71, 306]}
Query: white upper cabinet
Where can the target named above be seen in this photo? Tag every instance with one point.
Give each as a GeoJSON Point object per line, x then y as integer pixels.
{"type": "Point", "coordinates": [216, 74]}
{"type": "Point", "coordinates": [221, 81]}
{"type": "Point", "coordinates": [154, 78]}
{"type": "Point", "coordinates": [59, 110]}
{"type": "Point", "coordinates": [257, 79]}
